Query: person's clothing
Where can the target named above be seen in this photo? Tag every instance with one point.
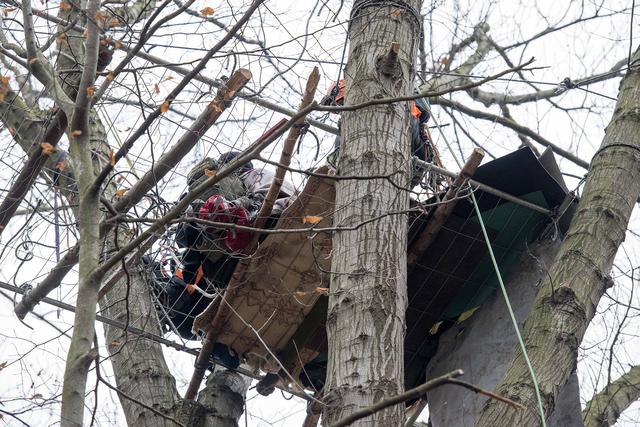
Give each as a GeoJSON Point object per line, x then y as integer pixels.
{"type": "Point", "coordinates": [420, 145]}
{"type": "Point", "coordinates": [235, 199]}
{"type": "Point", "coordinates": [258, 181]}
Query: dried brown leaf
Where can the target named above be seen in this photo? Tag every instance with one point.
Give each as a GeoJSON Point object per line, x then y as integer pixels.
{"type": "Point", "coordinates": [207, 11]}
{"type": "Point", "coordinates": [311, 219]}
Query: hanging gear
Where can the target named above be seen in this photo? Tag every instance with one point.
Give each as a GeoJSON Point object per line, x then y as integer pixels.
{"type": "Point", "coordinates": [336, 94]}
{"type": "Point", "coordinates": [217, 209]}
{"type": "Point", "coordinates": [177, 308]}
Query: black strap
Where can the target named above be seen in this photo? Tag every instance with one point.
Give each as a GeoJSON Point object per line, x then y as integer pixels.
{"type": "Point", "coordinates": [400, 4]}
{"type": "Point", "coordinates": [615, 145]}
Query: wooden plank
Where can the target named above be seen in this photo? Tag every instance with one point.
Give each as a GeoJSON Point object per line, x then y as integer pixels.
{"type": "Point", "coordinates": [279, 287]}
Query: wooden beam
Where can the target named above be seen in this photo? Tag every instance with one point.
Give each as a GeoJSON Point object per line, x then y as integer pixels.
{"type": "Point", "coordinates": [444, 209]}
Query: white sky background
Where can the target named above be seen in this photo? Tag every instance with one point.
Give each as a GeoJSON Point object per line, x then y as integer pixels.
{"type": "Point", "coordinates": [34, 375]}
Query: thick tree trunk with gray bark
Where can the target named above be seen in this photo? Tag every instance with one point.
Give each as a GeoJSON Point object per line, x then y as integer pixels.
{"type": "Point", "coordinates": [567, 300]}
{"type": "Point", "coordinates": [606, 406]}
{"type": "Point", "coordinates": [139, 366]}
{"type": "Point", "coordinates": [367, 302]}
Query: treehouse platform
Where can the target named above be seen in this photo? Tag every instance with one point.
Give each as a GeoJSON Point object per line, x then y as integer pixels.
{"type": "Point", "coordinates": [277, 298]}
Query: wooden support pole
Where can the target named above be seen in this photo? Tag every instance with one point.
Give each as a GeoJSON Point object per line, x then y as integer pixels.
{"type": "Point", "coordinates": [222, 313]}
{"type": "Point", "coordinates": [168, 161]}
{"type": "Point", "coordinates": [285, 156]}
{"type": "Point", "coordinates": [444, 209]}
{"type": "Point", "coordinates": [32, 168]}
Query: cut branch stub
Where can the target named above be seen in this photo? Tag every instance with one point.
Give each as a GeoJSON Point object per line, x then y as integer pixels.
{"type": "Point", "coordinates": [285, 157]}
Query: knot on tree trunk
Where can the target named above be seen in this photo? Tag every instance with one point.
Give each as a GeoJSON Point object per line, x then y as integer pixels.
{"type": "Point", "coordinates": [388, 64]}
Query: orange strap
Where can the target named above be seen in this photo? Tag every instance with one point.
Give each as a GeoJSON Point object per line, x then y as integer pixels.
{"type": "Point", "coordinates": [415, 111]}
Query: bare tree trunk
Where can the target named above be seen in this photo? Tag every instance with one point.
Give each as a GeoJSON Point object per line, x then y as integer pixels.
{"type": "Point", "coordinates": [138, 364]}
{"type": "Point", "coordinates": [367, 302]}
{"type": "Point", "coordinates": [81, 355]}
{"type": "Point", "coordinates": [223, 398]}
{"type": "Point", "coordinates": [605, 407]}
{"type": "Point", "coordinates": [566, 302]}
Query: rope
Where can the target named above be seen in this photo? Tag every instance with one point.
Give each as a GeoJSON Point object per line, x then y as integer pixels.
{"type": "Point", "coordinates": [400, 4]}
{"type": "Point", "coordinates": [502, 287]}
{"type": "Point", "coordinates": [615, 145]}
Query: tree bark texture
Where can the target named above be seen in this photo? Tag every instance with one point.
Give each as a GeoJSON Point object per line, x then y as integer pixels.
{"type": "Point", "coordinates": [566, 302]}
{"type": "Point", "coordinates": [141, 371]}
{"type": "Point", "coordinates": [223, 399]}
{"type": "Point", "coordinates": [138, 364]}
{"type": "Point", "coordinates": [367, 302]}
{"type": "Point", "coordinates": [605, 407]}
